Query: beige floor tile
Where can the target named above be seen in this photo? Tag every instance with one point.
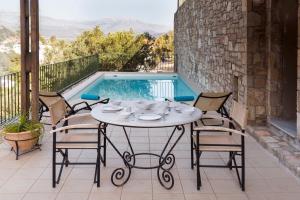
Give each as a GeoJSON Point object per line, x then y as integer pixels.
{"type": "Point", "coordinates": [106, 187]}
{"type": "Point", "coordinates": [11, 196]}
{"type": "Point", "coordinates": [225, 187]}
{"type": "Point", "coordinates": [134, 196]}
{"type": "Point", "coordinates": [190, 174]}
{"type": "Point", "coordinates": [138, 186]}
{"type": "Point", "coordinates": [47, 174]}
{"type": "Point", "coordinates": [251, 173]}
{"type": "Point", "coordinates": [27, 173]}
{"type": "Point", "coordinates": [211, 161]}
{"type": "Point", "coordinates": [183, 163]}
{"type": "Point", "coordinates": [5, 174]}
{"type": "Point", "coordinates": [218, 173]}
{"type": "Point", "coordinates": [72, 196]}
{"type": "Point", "coordinates": [15, 186]}
{"type": "Point", "coordinates": [182, 154]}
{"type": "Point", "coordinates": [12, 163]}
{"type": "Point", "coordinates": [190, 186]}
{"type": "Point", "coordinates": [159, 140]}
{"type": "Point", "coordinates": [159, 189]}
{"type": "Point", "coordinates": [40, 196]}
{"type": "Point", "coordinates": [282, 196]}
{"type": "Point", "coordinates": [263, 162]}
{"type": "Point", "coordinates": [257, 186]}
{"type": "Point", "coordinates": [273, 173]}
{"type": "Point", "coordinates": [38, 162]}
{"type": "Point", "coordinates": [82, 173]}
{"type": "Point", "coordinates": [104, 196]}
{"type": "Point", "coordinates": [284, 185]}
{"type": "Point", "coordinates": [255, 196]}
{"type": "Point", "coordinates": [232, 197]}
{"type": "Point", "coordinates": [200, 196]}
{"type": "Point", "coordinates": [81, 186]}
{"type": "Point", "coordinates": [45, 186]}
{"type": "Point", "coordinates": [167, 196]}
{"type": "Point", "coordinates": [140, 174]}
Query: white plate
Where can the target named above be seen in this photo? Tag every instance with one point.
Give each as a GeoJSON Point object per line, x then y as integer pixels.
{"type": "Point", "coordinates": [149, 117]}
{"type": "Point", "coordinates": [111, 108]}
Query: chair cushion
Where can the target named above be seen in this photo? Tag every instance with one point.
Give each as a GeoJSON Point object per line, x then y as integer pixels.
{"type": "Point", "coordinates": [90, 97]}
{"type": "Point", "coordinates": [184, 98]}
{"type": "Point", "coordinates": [217, 139]}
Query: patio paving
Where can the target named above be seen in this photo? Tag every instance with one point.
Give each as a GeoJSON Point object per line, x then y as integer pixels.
{"type": "Point", "coordinates": [29, 178]}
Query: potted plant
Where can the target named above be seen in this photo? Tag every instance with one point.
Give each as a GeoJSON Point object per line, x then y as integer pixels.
{"type": "Point", "coordinates": [23, 135]}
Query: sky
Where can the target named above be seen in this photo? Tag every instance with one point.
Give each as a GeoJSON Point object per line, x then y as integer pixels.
{"type": "Point", "coordinates": [150, 11]}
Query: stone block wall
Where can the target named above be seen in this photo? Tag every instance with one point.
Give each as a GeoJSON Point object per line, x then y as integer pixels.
{"type": "Point", "coordinates": [211, 43]}
{"type": "Point", "coordinates": [237, 45]}
{"type": "Point", "coordinates": [256, 60]}
{"type": "Point", "coordinates": [298, 77]}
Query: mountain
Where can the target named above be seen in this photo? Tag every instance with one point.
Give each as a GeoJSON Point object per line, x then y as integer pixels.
{"type": "Point", "coordinates": [5, 33]}
{"type": "Point", "coordinates": [68, 29]}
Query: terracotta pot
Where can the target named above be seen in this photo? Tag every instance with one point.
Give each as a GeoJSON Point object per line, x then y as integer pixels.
{"type": "Point", "coordinates": [26, 145]}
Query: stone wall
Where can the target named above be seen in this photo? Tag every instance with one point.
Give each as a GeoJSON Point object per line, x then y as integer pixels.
{"type": "Point", "coordinates": [210, 45]}
{"type": "Point", "coordinates": [223, 42]}
{"type": "Point", "coordinates": [256, 60]}
{"type": "Point", "coordinates": [298, 79]}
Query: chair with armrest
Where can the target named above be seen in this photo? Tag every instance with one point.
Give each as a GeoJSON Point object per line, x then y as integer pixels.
{"type": "Point", "coordinates": [48, 98]}
{"type": "Point", "coordinates": [78, 136]}
{"type": "Point", "coordinates": [223, 139]}
{"type": "Point", "coordinates": [213, 102]}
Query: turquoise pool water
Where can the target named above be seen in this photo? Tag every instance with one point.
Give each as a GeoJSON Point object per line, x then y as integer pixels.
{"type": "Point", "coordinates": [135, 87]}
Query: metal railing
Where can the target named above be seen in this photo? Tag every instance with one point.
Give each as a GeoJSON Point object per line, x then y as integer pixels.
{"type": "Point", "coordinates": [10, 97]}
{"type": "Point", "coordinates": [60, 76]}
{"type": "Point", "coordinates": [53, 77]}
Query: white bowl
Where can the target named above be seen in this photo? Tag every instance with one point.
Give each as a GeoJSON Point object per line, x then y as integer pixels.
{"type": "Point", "coordinates": [124, 115]}
{"type": "Point", "coordinates": [188, 111]}
{"type": "Point", "coordinates": [116, 102]}
{"type": "Point", "coordinates": [146, 105]}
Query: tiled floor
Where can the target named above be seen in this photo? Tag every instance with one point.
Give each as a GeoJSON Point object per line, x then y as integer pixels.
{"type": "Point", "coordinates": [30, 177]}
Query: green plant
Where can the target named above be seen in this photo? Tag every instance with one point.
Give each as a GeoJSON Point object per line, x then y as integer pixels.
{"type": "Point", "coordinates": [22, 125]}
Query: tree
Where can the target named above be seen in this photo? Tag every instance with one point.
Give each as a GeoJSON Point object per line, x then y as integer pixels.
{"type": "Point", "coordinates": [164, 46]}
{"type": "Point", "coordinates": [118, 51]}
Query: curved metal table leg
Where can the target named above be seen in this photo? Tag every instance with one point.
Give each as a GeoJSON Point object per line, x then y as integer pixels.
{"type": "Point", "coordinates": [119, 176]}
{"type": "Point", "coordinates": [166, 161]}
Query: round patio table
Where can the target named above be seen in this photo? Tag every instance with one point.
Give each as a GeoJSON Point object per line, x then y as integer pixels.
{"type": "Point", "coordinates": [173, 117]}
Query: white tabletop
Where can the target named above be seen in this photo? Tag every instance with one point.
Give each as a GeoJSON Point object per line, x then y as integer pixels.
{"type": "Point", "coordinates": [175, 115]}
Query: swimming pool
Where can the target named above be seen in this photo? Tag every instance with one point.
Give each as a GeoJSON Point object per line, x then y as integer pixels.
{"type": "Point", "coordinates": [136, 87]}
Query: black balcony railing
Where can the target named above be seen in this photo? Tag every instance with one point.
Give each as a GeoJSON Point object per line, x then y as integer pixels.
{"type": "Point", "coordinates": [9, 97]}
{"type": "Point", "coordinates": [60, 76]}
{"type": "Point", "coordinates": [53, 77]}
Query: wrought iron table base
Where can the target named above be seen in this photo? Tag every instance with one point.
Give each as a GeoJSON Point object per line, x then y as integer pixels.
{"type": "Point", "coordinates": [120, 176]}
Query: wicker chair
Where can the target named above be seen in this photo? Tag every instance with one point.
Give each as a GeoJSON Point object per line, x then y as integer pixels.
{"type": "Point", "coordinates": [222, 139]}
{"type": "Point", "coordinates": [70, 137]}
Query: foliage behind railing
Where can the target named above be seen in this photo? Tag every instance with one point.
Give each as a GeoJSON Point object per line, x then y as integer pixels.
{"type": "Point", "coordinates": [9, 97]}
{"type": "Point", "coordinates": [144, 60]}
{"type": "Point", "coordinates": [53, 77]}
{"type": "Point", "coordinates": [60, 76]}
